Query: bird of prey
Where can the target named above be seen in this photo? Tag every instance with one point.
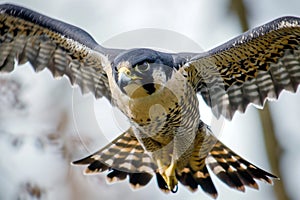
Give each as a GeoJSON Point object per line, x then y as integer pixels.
{"type": "Point", "coordinates": [157, 91]}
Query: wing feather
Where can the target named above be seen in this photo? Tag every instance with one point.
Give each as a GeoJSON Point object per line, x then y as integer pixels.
{"type": "Point", "coordinates": [27, 36]}
{"type": "Point", "coordinates": [251, 68]}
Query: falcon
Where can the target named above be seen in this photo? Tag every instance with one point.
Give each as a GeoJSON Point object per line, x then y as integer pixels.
{"type": "Point", "coordinates": [157, 91]}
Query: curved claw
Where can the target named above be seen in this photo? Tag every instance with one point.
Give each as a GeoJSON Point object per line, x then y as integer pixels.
{"type": "Point", "coordinates": [170, 177]}
{"type": "Point", "coordinates": [175, 189]}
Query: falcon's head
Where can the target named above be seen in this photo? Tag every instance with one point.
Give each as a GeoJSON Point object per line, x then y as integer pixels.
{"type": "Point", "coordinates": [142, 72]}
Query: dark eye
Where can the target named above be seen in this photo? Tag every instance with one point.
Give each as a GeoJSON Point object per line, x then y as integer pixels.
{"type": "Point", "coordinates": [143, 67]}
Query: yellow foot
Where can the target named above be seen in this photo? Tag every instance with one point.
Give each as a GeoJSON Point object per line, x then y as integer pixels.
{"type": "Point", "coordinates": [169, 176]}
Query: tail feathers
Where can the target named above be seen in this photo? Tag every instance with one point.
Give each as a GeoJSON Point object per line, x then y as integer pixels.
{"type": "Point", "coordinates": [192, 179]}
{"type": "Point", "coordinates": [205, 182]}
{"type": "Point", "coordinates": [233, 170]}
{"type": "Point", "coordinates": [125, 153]}
{"type": "Point", "coordinates": [230, 168]}
{"type": "Point", "coordinates": [123, 157]}
{"type": "Point", "coordinates": [162, 183]}
{"type": "Point", "coordinates": [136, 180]}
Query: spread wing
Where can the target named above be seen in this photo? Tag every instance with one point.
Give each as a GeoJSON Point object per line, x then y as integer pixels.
{"type": "Point", "coordinates": [251, 68]}
{"type": "Point", "coordinates": [45, 42]}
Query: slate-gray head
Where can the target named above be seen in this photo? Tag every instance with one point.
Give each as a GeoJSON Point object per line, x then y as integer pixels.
{"type": "Point", "coordinates": [142, 72]}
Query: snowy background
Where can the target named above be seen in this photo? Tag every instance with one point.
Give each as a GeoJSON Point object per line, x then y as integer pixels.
{"type": "Point", "coordinates": [45, 124]}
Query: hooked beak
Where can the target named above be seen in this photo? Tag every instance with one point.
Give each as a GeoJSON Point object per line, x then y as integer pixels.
{"type": "Point", "coordinates": [126, 78]}
{"type": "Point", "coordinates": [124, 72]}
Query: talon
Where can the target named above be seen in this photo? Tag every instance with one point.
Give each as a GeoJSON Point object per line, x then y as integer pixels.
{"type": "Point", "coordinates": [170, 177]}
{"type": "Point", "coordinates": [175, 189]}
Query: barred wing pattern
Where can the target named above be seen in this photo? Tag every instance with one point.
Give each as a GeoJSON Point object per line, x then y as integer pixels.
{"type": "Point", "coordinates": [124, 153]}
{"type": "Point", "coordinates": [123, 157]}
{"type": "Point", "coordinates": [251, 68]}
{"type": "Point", "coordinates": [45, 42]}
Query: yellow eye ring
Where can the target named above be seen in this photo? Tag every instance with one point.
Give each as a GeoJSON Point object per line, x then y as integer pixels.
{"type": "Point", "coordinates": [143, 67]}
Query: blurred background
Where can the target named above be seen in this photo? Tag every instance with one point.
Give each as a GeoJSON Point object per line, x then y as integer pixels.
{"type": "Point", "coordinates": [45, 124]}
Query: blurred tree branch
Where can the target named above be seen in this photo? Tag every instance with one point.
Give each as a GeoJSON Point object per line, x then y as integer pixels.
{"type": "Point", "coordinates": [273, 147]}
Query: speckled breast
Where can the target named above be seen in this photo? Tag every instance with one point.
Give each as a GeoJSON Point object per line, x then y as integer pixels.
{"type": "Point", "coordinates": [171, 111]}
